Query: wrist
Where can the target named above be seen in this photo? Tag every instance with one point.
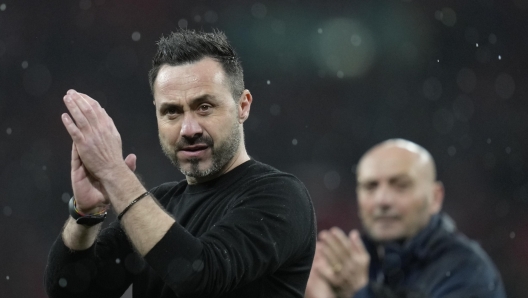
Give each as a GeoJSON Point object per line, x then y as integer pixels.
{"type": "Point", "coordinates": [91, 211]}
{"type": "Point", "coordinates": [86, 219]}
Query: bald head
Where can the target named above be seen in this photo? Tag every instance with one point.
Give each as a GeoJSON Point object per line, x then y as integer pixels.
{"type": "Point", "coordinates": [407, 151]}
{"type": "Point", "coordinates": [397, 190]}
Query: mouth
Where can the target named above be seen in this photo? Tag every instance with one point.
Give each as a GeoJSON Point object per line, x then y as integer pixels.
{"type": "Point", "coordinates": [194, 148]}
{"type": "Point", "coordinates": [387, 218]}
{"type": "Point", "coordinates": [193, 151]}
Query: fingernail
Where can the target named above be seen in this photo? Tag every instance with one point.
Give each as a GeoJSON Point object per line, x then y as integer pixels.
{"type": "Point", "coordinates": [67, 98]}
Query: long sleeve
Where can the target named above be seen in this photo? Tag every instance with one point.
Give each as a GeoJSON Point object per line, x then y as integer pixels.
{"type": "Point", "coordinates": [252, 234]}
{"type": "Point", "coordinates": [99, 271]}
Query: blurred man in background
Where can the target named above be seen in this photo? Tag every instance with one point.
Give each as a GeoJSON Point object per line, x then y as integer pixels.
{"type": "Point", "coordinates": [410, 248]}
{"type": "Point", "coordinates": [234, 227]}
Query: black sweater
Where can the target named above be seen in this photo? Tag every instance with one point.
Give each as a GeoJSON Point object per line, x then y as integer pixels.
{"type": "Point", "coordinates": [248, 233]}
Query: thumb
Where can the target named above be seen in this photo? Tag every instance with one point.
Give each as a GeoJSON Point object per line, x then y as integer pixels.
{"type": "Point", "coordinates": [130, 161]}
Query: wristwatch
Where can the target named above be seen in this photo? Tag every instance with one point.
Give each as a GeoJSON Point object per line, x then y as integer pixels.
{"type": "Point", "coordinates": [85, 219]}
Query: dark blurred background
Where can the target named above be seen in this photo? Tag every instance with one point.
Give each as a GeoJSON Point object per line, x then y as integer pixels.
{"type": "Point", "coordinates": [329, 79]}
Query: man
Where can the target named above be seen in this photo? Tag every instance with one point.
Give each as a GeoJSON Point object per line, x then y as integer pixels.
{"type": "Point", "coordinates": [410, 249]}
{"type": "Point", "coordinates": [233, 228]}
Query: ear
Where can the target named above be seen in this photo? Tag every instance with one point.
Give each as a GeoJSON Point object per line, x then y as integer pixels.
{"type": "Point", "coordinates": [244, 105]}
{"type": "Point", "coordinates": [438, 197]}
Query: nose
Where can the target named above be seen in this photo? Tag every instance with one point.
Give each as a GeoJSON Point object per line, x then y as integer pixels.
{"type": "Point", "coordinates": [384, 196]}
{"type": "Point", "coordinates": [190, 128]}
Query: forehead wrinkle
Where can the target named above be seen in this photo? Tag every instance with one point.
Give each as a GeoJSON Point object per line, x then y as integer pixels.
{"type": "Point", "coordinates": [184, 78]}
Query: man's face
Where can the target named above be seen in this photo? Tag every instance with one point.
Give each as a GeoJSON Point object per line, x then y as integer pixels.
{"type": "Point", "coordinates": [197, 117]}
{"type": "Point", "coordinates": [395, 194]}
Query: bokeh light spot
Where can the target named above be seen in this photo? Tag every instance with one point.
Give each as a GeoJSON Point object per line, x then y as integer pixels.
{"type": "Point", "coordinates": [259, 10]}
{"type": "Point", "coordinates": [504, 85]}
{"type": "Point", "coordinates": [182, 23]}
{"type": "Point", "coordinates": [275, 110]}
{"type": "Point", "coordinates": [63, 282]}
{"type": "Point", "coordinates": [443, 121]}
{"type": "Point", "coordinates": [211, 16]}
{"type": "Point", "coordinates": [65, 197]}
{"type": "Point", "coordinates": [463, 108]}
{"type": "Point", "coordinates": [451, 150]}
{"type": "Point", "coordinates": [346, 46]}
{"type": "Point", "coordinates": [492, 38]}
{"type": "Point", "coordinates": [355, 40]}
{"type": "Point", "coordinates": [449, 17]}
{"type": "Point", "coordinates": [7, 211]}
{"type": "Point", "coordinates": [136, 36]}
{"type": "Point", "coordinates": [432, 88]}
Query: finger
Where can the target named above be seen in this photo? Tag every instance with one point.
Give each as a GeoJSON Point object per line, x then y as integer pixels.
{"type": "Point", "coordinates": [341, 241]}
{"type": "Point", "coordinates": [85, 107]}
{"type": "Point", "coordinates": [338, 242]}
{"type": "Point", "coordinates": [92, 102]}
{"type": "Point", "coordinates": [102, 116]}
{"type": "Point", "coordinates": [356, 242]}
{"type": "Point", "coordinates": [80, 120]}
{"type": "Point", "coordinates": [324, 269]}
{"type": "Point", "coordinates": [328, 252]}
{"type": "Point", "coordinates": [71, 127]}
{"type": "Point", "coordinates": [130, 161]}
{"type": "Point", "coordinates": [75, 159]}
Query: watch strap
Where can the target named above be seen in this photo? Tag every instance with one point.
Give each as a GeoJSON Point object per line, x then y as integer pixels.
{"type": "Point", "coordinates": [85, 219]}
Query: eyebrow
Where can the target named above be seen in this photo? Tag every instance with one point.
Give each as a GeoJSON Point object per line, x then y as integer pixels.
{"type": "Point", "coordinates": [391, 179]}
{"type": "Point", "coordinates": [194, 101]}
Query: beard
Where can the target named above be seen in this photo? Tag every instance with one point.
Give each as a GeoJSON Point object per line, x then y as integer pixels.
{"type": "Point", "coordinates": [221, 154]}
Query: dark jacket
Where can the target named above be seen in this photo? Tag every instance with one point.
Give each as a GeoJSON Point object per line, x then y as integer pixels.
{"type": "Point", "coordinates": [439, 262]}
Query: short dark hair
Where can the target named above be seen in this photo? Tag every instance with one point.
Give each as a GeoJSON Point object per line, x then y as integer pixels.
{"type": "Point", "coordinates": [188, 46]}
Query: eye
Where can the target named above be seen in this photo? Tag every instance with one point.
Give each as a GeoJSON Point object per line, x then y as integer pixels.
{"type": "Point", "coordinates": [369, 186]}
{"type": "Point", "coordinates": [402, 185]}
{"type": "Point", "coordinates": [171, 110]}
{"type": "Point", "coordinates": [204, 108]}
